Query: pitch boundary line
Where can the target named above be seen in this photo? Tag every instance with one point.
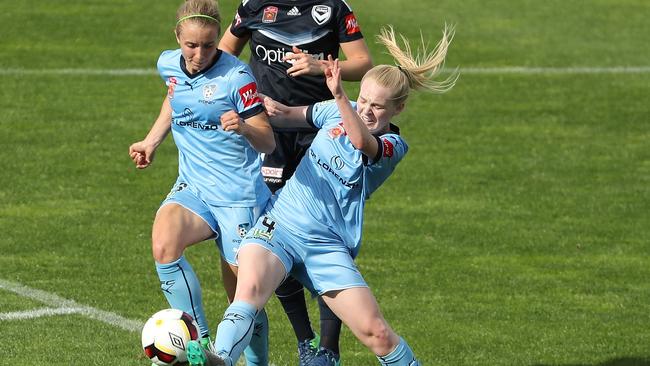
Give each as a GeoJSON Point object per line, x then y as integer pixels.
{"type": "Point", "coordinates": [522, 70]}
{"type": "Point", "coordinates": [60, 306]}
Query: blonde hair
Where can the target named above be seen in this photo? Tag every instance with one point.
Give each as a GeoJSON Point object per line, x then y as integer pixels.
{"type": "Point", "coordinates": [204, 12]}
{"type": "Point", "coordinates": [415, 72]}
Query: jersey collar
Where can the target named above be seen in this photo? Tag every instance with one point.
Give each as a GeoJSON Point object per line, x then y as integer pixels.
{"type": "Point", "coordinates": [192, 76]}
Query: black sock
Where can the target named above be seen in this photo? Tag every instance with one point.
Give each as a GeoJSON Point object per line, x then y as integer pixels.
{"type": "Point", "coordinates": [292, 297]}
{"type": "Point", "coordinates": [330, 327]}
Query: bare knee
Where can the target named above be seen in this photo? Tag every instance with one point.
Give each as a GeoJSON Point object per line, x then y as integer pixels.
{"type": "Point", "coordinates": [379, 337]}
{"type": "Point", "coordinates": [165, 250]}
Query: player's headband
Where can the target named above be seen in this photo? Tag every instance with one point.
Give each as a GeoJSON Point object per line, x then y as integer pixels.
{"type": "Point", "coordinates": [196, 16]}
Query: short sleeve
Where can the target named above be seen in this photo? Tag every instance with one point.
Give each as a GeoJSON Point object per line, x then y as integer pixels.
{"type": "Point", "coordinates": [323, 113]}
{"type": "Point", "coordinates": [348, 27]}
{"type": "Point", "coordinates": [240, 25]}
{"type": "Point", "coordinates": [244, 92]}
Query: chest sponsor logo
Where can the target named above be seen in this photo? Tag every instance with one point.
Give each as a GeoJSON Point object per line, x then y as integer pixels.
{"type": "Point", "coordinates": [351, 24]}
{"type": "Point", "coordinates": [389, 148]}
{"type": "Point", "coordinates": [337, 162]}
{"type": "Point", "coordinates": [248, 94]}
{"type": "Point", "coordinates": [270, 55]}
{"type": "Point", "coordinates": [337, 131]}
{"type": "Point", "coordinates": [171, 85]}
{"type": "Point", "coordinates": [321, 14]}
{"type": "Point", "coordinates": [330, 168]}
{"type": "Point", "coordinates": [270, 14]}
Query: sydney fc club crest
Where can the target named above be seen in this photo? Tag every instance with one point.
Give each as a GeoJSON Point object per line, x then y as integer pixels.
{"type": "Point", "coordinates": [321, 14]}
{"type": "Point", "coordinates": [208, 91]}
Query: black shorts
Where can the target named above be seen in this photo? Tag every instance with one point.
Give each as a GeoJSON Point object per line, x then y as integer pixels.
{"type": "Point", "coordinates": [290, 147]}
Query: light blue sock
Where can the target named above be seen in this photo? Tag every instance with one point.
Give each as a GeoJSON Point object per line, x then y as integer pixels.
{"type": "Point", "coordinates": [235, 331]}
{"type": "Point", "coordinates": [402, 355]}
{"type": "Point", "coordinates": [182, 289]}
{"type": "Point", "coordinates": [257, 352]}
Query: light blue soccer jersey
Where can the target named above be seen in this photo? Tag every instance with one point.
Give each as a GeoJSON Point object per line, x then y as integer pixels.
{"type": "Point", "coordinates": [324, 200]}
{"type": "Point", "coordinates": [222, 166]}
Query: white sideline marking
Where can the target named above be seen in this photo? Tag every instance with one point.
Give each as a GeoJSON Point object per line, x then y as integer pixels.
{"type": "Point", "coordinates": [29, 314]}
{"type": "Point", "coordinates": [64, 306]}
{"type": "Point", "coordinates": [466, 70]}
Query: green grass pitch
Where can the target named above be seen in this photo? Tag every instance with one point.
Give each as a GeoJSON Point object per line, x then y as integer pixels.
{"type": "Point", "coordinates": [515, 232]}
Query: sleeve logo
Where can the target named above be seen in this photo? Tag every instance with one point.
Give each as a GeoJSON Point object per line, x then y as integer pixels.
{"type": "Point", "coordinates": [237, 20]}
{"type": "Point", "coordinates": [389, 149]}
{"type": "Point", "coordinates": [351, 24]}
{"type": "Point", "coordinates": [171, 85]}
{"type": "Point", "coordinates": [248, 94]}
{"type": "Point", "coordinates": [337, 131]}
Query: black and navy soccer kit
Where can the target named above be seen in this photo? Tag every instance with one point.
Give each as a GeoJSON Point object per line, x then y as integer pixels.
{"type": "Point", "coordinates": [316, 27]}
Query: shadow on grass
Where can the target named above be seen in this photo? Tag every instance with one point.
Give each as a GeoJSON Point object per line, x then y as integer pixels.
{"type": "Point", "coordinates": [625, 361]}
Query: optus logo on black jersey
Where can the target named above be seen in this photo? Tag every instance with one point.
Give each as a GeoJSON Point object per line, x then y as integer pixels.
{"type": "Point", "coordinates": [328, 168]}
{"type": "Point", "coordinates": [276, 55]}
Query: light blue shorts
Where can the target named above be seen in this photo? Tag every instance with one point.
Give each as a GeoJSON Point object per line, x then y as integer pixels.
{"type": "Point", "coordinates": [229, 224]}
{"type": "Point", "coordinates": [321, 266]}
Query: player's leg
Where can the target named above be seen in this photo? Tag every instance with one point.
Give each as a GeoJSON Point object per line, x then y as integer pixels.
{"type": "Point", "coordinates": [330, 328]}
{"type": "Point", "coordinates": [278, 167]}
{"type": "Point", "coordinates": [233, 223]}
{"type": "Point", "coordinates": [359, 310]}
{"type": "Point", "coordinates": [259, 273]}
{"type": "Point", "coordinates": [175, 228]}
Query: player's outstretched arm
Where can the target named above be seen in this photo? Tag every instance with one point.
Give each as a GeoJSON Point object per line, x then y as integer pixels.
{"type": "Point", "coordinates": [283, 116]}
{"type": "Point", "coordinates": [142, 152]}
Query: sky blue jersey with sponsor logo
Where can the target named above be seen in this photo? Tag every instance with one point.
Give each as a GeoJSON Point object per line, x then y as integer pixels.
{"type": "Point", "coordinates": [325, 197]}
{"type": "Point", "coordinates": [221, 165]}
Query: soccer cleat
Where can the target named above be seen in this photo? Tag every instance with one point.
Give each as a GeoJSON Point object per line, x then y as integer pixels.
{"type": "Point", "coordinates": [198, 356]}
{"type": "Point", "coordinates": [307, 350]}
{"type": "Point", "coordinates": [206, 343]}
{"type": "Point", "coordinates": [326, 357]}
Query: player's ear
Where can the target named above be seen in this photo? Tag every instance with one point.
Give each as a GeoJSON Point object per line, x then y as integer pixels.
{"type": "Point", "coordinates": [176, 34]}
{"type": "Point", "coordinates": [400, 107]}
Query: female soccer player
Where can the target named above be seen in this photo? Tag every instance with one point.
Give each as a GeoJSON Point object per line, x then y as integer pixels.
{"type": "Point", "coordinates": [313, 229]}
{"type": "Point", "coordinates": [289, 41]}
{"type": "Point", "coordinates": [220, 128]}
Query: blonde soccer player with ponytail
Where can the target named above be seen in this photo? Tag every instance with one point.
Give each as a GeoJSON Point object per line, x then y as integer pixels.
{"type": "Point", "coordinates": [312, 230]}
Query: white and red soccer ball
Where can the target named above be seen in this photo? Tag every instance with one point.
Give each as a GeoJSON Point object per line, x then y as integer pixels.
{"type": "Point", "coordinates": [166, 334]}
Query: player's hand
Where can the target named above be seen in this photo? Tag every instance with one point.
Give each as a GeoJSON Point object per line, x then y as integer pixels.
{"type": "Point", "coordinates": [231, 121]}
{"type": "Point", "coordinates": [333, 76]}
{"type": "Point", "coordinates": [302, 63]}
{"type": "Point", "coordinates": [142, 154]}
{"type": "Point", "coordinates": [273, 107]}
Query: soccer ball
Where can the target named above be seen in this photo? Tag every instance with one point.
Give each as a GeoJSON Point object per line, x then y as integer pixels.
{"type": "Point", "coordinates": [166, 334]}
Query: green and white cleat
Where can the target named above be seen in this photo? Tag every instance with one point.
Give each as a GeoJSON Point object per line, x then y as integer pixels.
{"type": "Point", "coordinates": [206, 343]}
{"type": "Point", "coordinates": [198, 356]}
